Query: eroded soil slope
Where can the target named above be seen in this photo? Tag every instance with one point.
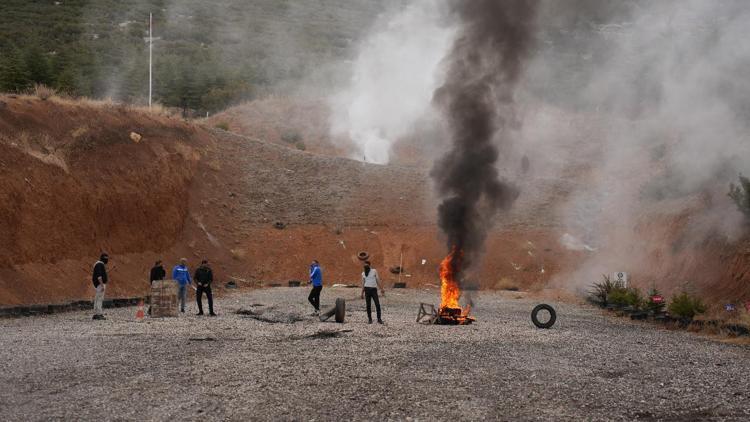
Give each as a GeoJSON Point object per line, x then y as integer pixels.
{"type": "Point", "coordinates": [75, 180]}
{"type": "Point", "coordinates": [74, 183]}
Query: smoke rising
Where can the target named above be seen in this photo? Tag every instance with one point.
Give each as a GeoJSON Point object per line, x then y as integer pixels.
{"type": "Point", "coordinates": [392, 79]}
{"type": "Point", "coordinates": [643, 106]}
{"type": "Point", "coordinates": [477, 101]}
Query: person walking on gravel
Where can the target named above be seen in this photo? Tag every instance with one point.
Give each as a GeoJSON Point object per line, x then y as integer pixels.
{"type": "Point", "coordinates": [181, 274]}
{"type": "Point", "coordinates": [157, 273]}
{"type": "Point", "coordinates": [204, 276]}
{"type": "Point", "coordinates": [99, 278]}
{"type": "Point", "coordinates": [316, 279]}
{"type": "Point", "coordinates": [370, 284]}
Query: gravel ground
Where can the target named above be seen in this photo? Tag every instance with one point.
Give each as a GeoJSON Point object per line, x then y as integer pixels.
{"type": "Point", "coordinates": [282, 364]}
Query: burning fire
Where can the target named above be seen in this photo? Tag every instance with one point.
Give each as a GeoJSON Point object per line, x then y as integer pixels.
{"type": "Point", "coordinates": [450, 311]}
{"type": "Point", "coordinates": [449, 289]}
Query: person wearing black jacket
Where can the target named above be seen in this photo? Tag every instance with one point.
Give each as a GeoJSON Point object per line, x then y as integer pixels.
{"type": "Point", "coordinates": [203, 277]}
{"type": "Point", "coordinates": [99, 278]}
{"type": "Point", "coordinates": [157, 273]}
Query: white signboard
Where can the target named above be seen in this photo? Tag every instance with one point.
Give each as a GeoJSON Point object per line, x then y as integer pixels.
{"type": "Point", "coordinates": [620, 278]}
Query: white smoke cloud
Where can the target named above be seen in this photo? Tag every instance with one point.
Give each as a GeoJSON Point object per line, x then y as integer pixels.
{"type": "Point", "coordinates": [647, 109]}
{"type": "Point", "coordinates": [392, 79]}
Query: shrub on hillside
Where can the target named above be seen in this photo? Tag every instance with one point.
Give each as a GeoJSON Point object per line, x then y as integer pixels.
{"type": "Point", "coordinates": [622, 296]}
{"type": "Point", "coordinates": [43, 92]}
{"type": "Point", "coordinates": [222, 126]}
{"type": "Point", "coordinates": [599, 291]}
{"type": "Point", "coordinates": [741, 195]}
{"type": "Point", "coordinates": [651, 306]}
{"type": "Point", "coordinates": [686, 306]}
{"type": "Point", "coordinates": [291, 137]}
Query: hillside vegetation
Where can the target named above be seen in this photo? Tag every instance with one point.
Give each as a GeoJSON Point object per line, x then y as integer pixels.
{"type": "Point", "coordinates": [208, 54]}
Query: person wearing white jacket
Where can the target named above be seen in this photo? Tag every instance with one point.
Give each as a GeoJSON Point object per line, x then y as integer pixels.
{"type": "Point", "coordinates": [370, 284]}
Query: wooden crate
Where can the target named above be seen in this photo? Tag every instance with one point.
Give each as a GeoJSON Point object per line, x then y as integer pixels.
{"type": "Point", "coordinates": [164, 301]}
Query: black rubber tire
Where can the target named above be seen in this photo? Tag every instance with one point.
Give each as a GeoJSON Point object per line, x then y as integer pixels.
{"type": "Point", "coordinates": [363, 256]}
{"type": "Point", "coordinates": [552, 316]}
{"type": "Point", "coordinates": [340, 310]}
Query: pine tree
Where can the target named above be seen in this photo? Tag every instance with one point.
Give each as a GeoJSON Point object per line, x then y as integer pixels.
{"type": "Point", "coordinates": [14, 76]}
{"type": "Point", "coordinates": [65, 74]}
{"type": "Point", "coordinates": [38, 66]}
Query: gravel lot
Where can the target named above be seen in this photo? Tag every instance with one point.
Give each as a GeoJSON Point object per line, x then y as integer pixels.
{"type": "Point", "coordinates": [287, 366]}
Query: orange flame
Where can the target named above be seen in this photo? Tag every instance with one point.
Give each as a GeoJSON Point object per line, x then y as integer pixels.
{"type": "Point", "coordinates": [450, 291]}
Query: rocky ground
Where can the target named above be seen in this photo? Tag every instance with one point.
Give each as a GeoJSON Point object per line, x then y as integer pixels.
{"type": "Point", "coordinates": [282, 364]}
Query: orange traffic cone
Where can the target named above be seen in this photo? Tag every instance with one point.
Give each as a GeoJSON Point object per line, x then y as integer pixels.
{"type": "Point", "coordinates": [139, 313]}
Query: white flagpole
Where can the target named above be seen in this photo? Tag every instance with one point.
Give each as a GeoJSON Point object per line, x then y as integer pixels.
{"type": "Point", "coordinates": [150, 55]}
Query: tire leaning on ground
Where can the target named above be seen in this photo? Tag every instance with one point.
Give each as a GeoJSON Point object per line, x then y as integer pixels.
{"type": "Point", "coordinates": [340, 310]}
{"type": "Point", "coordinates": [552, 316]}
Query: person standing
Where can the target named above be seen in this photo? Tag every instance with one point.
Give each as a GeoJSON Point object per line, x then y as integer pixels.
{"type": "Point", "coordinates": [181, 274]}
{"type": "Point", "coordinates": [370, 284]}
{"type": "Point", "coordinates": [316, 279]}
{"type": "Point", "coordinates": [204, 276]}
{"type": "Point", "coordinates": [99, 278]}
{"type": "Point", "coordinates": [157, 273]}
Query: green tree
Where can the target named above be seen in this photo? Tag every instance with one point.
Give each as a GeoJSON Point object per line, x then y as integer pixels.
{"type": "Point", "coordinates": [66, 74]}
{"type": "Point", "coordinates": [14, 76]}
{"type": "Point", "coordinates": [38, 66]}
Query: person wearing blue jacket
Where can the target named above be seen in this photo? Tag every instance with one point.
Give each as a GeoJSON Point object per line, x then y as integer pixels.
{"type": "Point", "coordinates": [316, 279]}
{"type": "Point", "coordinates": [181, 274]}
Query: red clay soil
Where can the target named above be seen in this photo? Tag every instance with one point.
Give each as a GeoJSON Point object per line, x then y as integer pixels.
{"type": "Point", "coordinates": [74, 183]}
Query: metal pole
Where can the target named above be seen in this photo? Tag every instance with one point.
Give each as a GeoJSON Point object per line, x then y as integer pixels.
{"type": "Point", "coordinates": [150, 55]}
{"type": "Point", "coordinates": [401, 264]}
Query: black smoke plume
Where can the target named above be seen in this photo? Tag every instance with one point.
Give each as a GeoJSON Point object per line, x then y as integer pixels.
{"type": "Point", "coordinates": [483, 68]}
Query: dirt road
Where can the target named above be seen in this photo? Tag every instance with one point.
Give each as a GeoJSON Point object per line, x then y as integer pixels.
{"type": "Point", "coordinates": [281, 364]}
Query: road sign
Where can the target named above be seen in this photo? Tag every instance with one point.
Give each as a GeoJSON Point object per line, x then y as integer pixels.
{"type": "Point", "coordinates": [620, 278]}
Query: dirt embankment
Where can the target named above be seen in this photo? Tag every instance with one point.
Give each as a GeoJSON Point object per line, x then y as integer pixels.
{"type": "Point", "coordinates": [305, 124]}
{"type": "Point", "coordinates": [334, 207]}
{"type": "Point", "coordinates": [73, 182]}
{"type": "Point", "coordinates": [291, 122]}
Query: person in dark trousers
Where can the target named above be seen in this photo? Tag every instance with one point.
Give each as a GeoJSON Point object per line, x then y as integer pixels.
{"type": "Point", "coordinates": [316, 279]}
{"type": "Point", "coordinates": [157, 273]}
{"type": "Point", "coordinates": [181, 274]}
{"type": "Point", "coordinates": [99, 278]}
{"type": "Point", "coordinates": [370, 284]}
{"type": "Point", "coordinates": [203, 277]}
